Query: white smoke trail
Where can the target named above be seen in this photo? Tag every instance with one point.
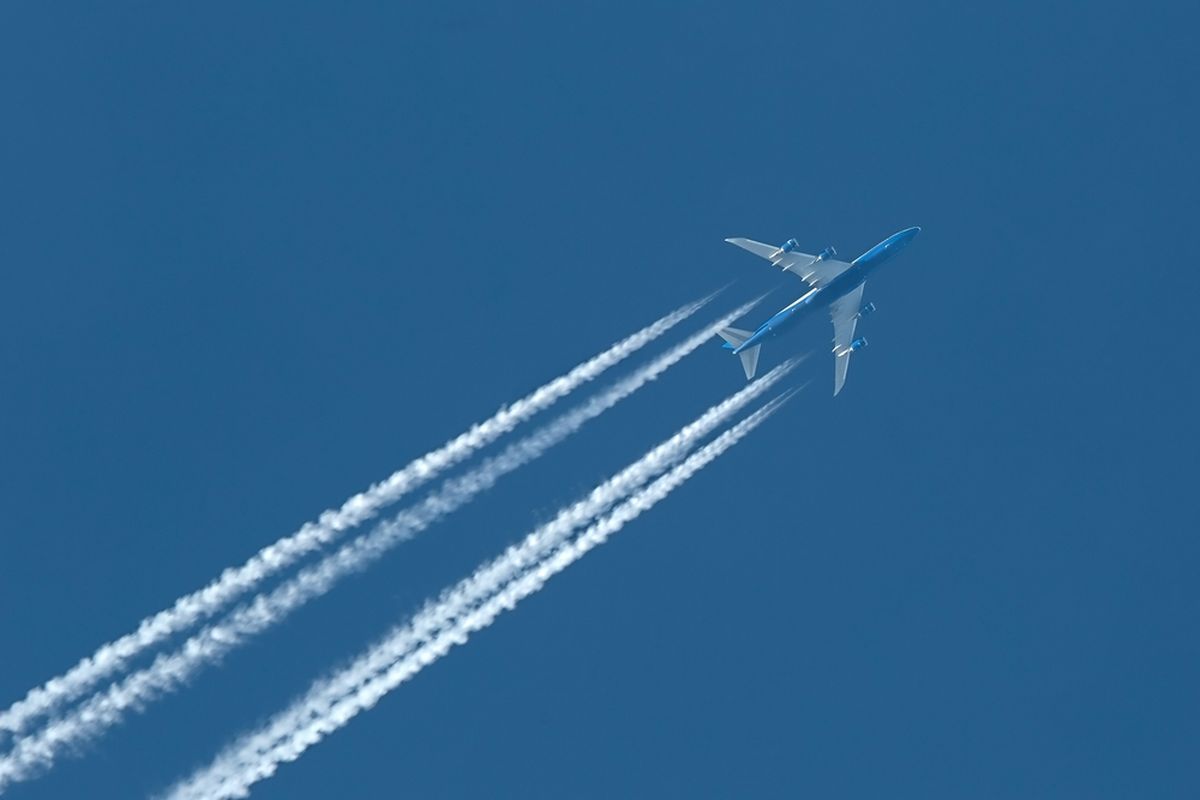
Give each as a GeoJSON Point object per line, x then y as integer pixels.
{"type": "Point", "coordinates": [33, 753]}
{"type": "Point", "coordinates": [235, 581]}
{"type": "Point", "coordinates": [487, 580]}
{"type": "Point", "coordinates": [332, 703]}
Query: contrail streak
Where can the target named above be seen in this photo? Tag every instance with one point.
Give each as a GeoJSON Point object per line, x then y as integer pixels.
{"type": "Point", "coordinates": [333, 702]}
{"type": "Point", "coordinates": [517, 558]}
{"type": "Point", "coordinates": [331, 524]}
{"type": "Point", "coordinates": [33, 753]}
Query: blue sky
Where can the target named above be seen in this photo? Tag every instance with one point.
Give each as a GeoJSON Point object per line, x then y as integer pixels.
{"type": "Point", "coordinates": [257, 258]}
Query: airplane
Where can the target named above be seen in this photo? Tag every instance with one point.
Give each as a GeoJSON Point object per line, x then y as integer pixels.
{"type": "Point", "coordinates": [833, 284]}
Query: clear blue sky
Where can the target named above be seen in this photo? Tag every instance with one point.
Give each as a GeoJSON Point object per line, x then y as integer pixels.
{"type": "Point", "coordinates": [255, 258]}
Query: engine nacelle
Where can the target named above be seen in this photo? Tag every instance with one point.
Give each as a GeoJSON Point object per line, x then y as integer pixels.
{"type": "Point", "coordinates": [788, 246]}
{"type": "Point", "coordinates": [866, 310]}
{"type": "Point", "coordinates": [858, 344]}
{"type": "Point", "coordinates": [827, 253]}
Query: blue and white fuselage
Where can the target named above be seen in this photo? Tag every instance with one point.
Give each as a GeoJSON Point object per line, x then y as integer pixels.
{"type": "Point", "coordinates": [836, 286]}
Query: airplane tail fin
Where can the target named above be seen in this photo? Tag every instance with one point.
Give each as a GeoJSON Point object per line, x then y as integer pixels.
{"type": "Point", "coordinates": [734, 338]}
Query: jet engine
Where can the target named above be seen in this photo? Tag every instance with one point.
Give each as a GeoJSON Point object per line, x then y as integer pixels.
{"type": "Point", "coordinates": [788, 246]}
{"type": "Point", "coordinates": [866, 310]}
{"type": "Point", "coordinates": [827, 253]}
{"type": "Point", "coordinates": [858, 344]}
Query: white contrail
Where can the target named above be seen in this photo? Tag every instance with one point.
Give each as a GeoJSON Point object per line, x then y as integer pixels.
{"type": "Point", "coordinates": [31, 754]}
{"type": "Point", "coordinates": [486, 580]}
{"type": "Point", "coordinates": [332, 703]}
{"type": "Point", "coordinates": [489, 579]}
{"type": "Point", "coordinates": [189, 609]}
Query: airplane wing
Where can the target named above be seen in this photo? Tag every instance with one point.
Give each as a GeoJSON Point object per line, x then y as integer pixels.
{"type": "Point", "coordinates": [812, 270]}
{"type": "Point", "coordinates": [844, 312]}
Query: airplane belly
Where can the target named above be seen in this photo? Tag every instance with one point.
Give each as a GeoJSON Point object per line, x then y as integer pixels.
{"type": "Point", "coordinates": [789, 317]}
{"type": "Point", "coordinates": [786, 320]}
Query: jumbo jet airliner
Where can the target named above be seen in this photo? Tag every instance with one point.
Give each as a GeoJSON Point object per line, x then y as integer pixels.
{"type": "Point", "coordinates": [833, 284]}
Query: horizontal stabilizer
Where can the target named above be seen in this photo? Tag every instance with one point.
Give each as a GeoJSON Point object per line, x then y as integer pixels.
{"type": "Point", "coordinates": [749, 358]}
{"type": "Point", "coordinates": [734, 336]}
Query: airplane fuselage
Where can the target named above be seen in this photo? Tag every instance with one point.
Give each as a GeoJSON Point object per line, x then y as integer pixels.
{"type": "Point", "coordinates": [820, 298]}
